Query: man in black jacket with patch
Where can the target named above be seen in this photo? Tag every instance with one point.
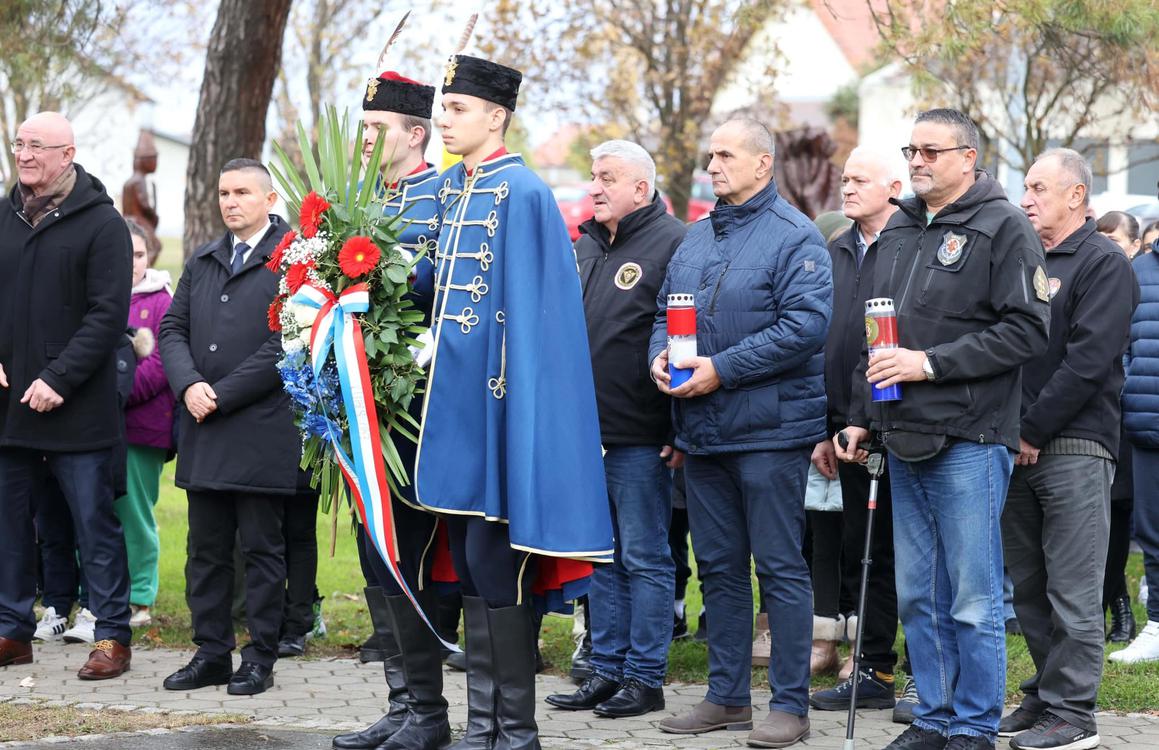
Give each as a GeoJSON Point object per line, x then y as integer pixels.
{"type": "Point", "coordinates": [1056, 524]}
{"type": "Point", "coordinates": [65, 273]}
{"type": "Point", "coordinates": [966, 274]}
{"type": "Point", "coordinates": [238, 450]}
{"type": "Point", "coordinates": [623, 255]}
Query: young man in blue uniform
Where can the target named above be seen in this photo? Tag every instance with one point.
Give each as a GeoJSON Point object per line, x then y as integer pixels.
{"type": "Point", "coordinates": [398, 111]}
{"type": "Point", "coordinates": [510, 441]}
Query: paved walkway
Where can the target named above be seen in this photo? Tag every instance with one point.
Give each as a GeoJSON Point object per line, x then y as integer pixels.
{"type": "Point", "coordinates": [342, 694]}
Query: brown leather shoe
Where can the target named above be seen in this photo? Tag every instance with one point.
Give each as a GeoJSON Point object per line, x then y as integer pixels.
{"type": "Point", "coordinates": [15, 652]}
{"type": "Point", "coordinates": [779, 729]}
{"type": "Point", "coordinates": [108, 659]}
{"type": "Point", "coordinates": [706, 716]}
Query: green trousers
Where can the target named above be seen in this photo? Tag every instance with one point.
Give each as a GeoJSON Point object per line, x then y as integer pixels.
{"type": "Point", "coordinates": [135, 510]}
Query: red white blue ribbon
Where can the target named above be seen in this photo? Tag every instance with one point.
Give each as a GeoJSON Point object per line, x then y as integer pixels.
{"type": "Point", "coordinates": [336, 327]}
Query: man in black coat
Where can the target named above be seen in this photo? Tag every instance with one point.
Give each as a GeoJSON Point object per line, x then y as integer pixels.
{"type": "Point", "coordinates": [65, 273]}
{"type": "Point", "coordinates": [623, 255]}
{"type": "Point", "coordinates": [1060, 492]}
{"type": "Point", "coordinates": [238, 449]}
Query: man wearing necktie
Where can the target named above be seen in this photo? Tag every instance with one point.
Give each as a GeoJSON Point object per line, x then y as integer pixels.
{"type": "Point", "coordinates": [238, 449]}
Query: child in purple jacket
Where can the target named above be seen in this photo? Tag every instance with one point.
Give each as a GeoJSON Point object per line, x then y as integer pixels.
{"type": "Point", "coordinates": [148, 429]}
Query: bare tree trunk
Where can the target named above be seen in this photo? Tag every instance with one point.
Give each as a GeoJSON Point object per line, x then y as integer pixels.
{"type": "Point", "coordinates": [245, 50]}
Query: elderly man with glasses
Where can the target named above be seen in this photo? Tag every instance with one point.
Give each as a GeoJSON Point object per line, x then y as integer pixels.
{"type": "Point", "coordinates": [965, 270]}
{"type": "Point", "coordinates": [65, 273]}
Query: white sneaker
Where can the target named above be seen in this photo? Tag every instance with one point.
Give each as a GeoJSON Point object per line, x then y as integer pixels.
{"type": "Point", "coordinates": [51, 626]}
{"type": "Point", "coordinates": [1145, 647]}
{"type": "Point", "coordinates": [141, 617]}
{"type": "Point", "coordinates": [83, 628]}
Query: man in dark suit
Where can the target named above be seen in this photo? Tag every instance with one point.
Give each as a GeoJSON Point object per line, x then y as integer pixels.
{"type": "Point", "coordinates": [238, 449]}
{"type": "Point", "coordinates": [65, 273]}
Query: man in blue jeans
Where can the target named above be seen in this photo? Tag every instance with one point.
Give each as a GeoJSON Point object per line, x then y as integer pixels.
{"type": "Point", "coordinates": [965, 270]}
{"type": "Point", "coordinates": [623, 253]}
{"type": "Point", "coordinates": [748, 419]}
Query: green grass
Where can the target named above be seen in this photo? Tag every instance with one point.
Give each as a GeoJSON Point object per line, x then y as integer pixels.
{"type": "Point", "coordinates": [1124, 688]}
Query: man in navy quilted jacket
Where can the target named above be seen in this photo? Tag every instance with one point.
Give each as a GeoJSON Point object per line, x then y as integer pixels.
{"type": "Point", "coordinates": [747, 420]}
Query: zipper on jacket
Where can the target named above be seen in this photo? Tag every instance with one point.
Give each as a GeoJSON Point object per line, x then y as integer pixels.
{"type": "Point", "coordinates": [912, 270]}
{"type": "Point", "coordinates": [716, 291]}
{"type": "Point", "coordinates": [1022, 273]}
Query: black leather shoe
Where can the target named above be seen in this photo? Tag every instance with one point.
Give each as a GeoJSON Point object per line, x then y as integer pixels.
{"type": "Point", "coordinates": [633, 699]}
{"type": "Point", "coordinates": [1122, 621]}
{"type": "Point", "coordinates": [198, 673]}
{"type": "Point", "coordinates": [594, 691]}
{"type": "Point", "coordinates": [250, 678]}
{"type": "Point", "coordinates": [292, 645]}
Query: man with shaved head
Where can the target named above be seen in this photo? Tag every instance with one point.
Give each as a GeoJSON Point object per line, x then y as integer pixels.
{"type": "Point", "coordinates": [748, 418]}
{"type": "Point", "coordinates": [1060, 494]}
{"type": "Point", "coordinates": [65, 275]}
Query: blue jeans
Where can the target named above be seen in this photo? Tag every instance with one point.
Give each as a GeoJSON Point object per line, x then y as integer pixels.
{"type": "Point", "coordinates": [630, 601]}
{"type": "Point", "coordinates": [947, 535]}
{"type": "Point", "coordinates": [86, 482]}
{"type": "Point", "coordinates": [746, 507]}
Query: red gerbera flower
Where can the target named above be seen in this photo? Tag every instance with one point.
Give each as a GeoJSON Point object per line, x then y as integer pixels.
{"type": "Point", "coordinates": [358, 256]}
{"type": "Point", "coordinates": [274, 314]}
{"type": "Point", "coordinates": [275, 261]}
{"type": "Point", "coordinates": [310, 216]}
{"type": "Point", "coordinates": [296, 276]}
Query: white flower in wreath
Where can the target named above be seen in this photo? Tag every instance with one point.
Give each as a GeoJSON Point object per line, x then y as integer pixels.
{"type": "Point", "coordinates": [303, 317]}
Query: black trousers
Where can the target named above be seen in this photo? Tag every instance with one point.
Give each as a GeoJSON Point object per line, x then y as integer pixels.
{"type": "Point", "coordinates": [300, 531]}
{"type": "Point", "coordinates": [1115, 578]}
{"type": "Point", "coordinates": [86, 482]}
{"type": "Point", "coordinates": [880, 628]}
{"type": "Point", "coordinates": [415, 531]}
{"type": "Point", "coordinates": [486, 565]}
{"type": "Point", "coordinates": [678, 543]}
{"type": "Point", "coordinates": [215, 520]}
{"type": "Point", "coordinates": [823, 552]}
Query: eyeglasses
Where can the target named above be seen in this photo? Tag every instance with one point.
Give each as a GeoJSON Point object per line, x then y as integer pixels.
{"type": "Point", "coordinates": [929, 155]}
{"type": "Point", "coordinates": [36, 148]}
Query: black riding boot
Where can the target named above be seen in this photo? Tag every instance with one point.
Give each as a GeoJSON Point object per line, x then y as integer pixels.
{"type": "Point", "coordinates": [513, 652]}
{"type": "Point", "coordinates": [480, 679]}
{"type": "Point", "coordinates": [381, 730]}
{"type": "Point", "coordinates": [426, 726]}
{"type": "Point", "coordinates": [1122, 620]}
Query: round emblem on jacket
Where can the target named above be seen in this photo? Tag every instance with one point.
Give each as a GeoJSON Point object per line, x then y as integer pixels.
{"type": "Point", "coordinates": [1041, 286]}
{"type": "Point", "coordinates": [951, 249]}
{"type": "Point", "coordinates": [144, 314]}
{"type": "Point", "coordinates": [629, 275]}
{"type": "Point", "coordinates": [1054, 285]}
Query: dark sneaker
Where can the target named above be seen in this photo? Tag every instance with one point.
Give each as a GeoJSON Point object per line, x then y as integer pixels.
{"type": "Point", "coordinates": [1050, 731]}
{"type": "Point", "coordinates": [679, 627]}
{"type": "Point", "coordinates": [874, 690]}
{"type": "Point", "coordinates": [903, 710]}
{"type": "Point", "coordinates": [966, 742]}
{"type": "Point", "coordinates": [914, 738]}
{"type": "Point", "coordinates": [1019, 720]}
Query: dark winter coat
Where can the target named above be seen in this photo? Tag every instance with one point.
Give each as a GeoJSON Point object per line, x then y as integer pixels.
{"type": "Point", "coordinates": [1141, 393]}
{"type": "Point", "coordinates": [620, 282]}
{"type": "Point", "coordinates": [1073, 389]}
{"type": "Point", "coordinates": [852, 286]}
{"type": "Point", "coordinates": [970, 290]}
{"type": "Point", "coordinates": [216, 331]}
{"type": "Point", "coordinates": [763, 291]}
{"type": "Point", "coordinates": [64, 298]}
